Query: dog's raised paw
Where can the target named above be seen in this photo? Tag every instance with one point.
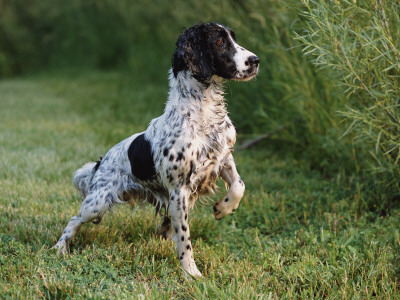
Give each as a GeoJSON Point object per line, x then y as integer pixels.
{"type": "Point", "coordinates": [222, 209]}
{"type": "Point", "coordinates": [61, 248]}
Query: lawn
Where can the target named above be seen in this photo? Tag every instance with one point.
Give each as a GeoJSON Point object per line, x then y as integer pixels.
{"type": "Point", "coordinates": [296, 234]}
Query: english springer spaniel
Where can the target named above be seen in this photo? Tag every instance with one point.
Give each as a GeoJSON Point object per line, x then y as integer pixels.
{"type": "Point", "coordinates": [182, 152]}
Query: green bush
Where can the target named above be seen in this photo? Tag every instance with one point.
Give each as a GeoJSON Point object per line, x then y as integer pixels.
{"type": "Point", "coordinates": [359, 41]}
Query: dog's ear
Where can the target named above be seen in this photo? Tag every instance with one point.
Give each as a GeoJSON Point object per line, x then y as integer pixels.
{"type": "Point", "coordinates": [193, 54]}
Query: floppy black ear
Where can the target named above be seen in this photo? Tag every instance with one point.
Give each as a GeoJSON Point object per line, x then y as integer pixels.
{"type": "Point", "coordinates": [193, 54]}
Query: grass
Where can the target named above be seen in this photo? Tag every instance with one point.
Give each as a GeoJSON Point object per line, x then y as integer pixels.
{"type": "Point", "coordinates": [296, 234]}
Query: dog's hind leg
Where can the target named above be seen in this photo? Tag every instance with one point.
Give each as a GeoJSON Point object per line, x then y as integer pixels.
{"type": "Point", "coordinates": [166, 230]}
{"type": "Point", "coordinates": [93, 207]}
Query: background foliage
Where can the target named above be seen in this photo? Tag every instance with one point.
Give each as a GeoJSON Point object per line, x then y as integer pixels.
{"type": "Point", "coordinates": [321, 214]}
{"type": "Point", "coordinates": [360, 42]}
{"type": "Point", "coordinates": [289, 94]}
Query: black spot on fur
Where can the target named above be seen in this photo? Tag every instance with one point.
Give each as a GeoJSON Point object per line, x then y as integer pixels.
{"type": "Point", "coordinates": [188, 247]}
{"type": "Point", "coordinates": [141, 159]}
{"type": "Point", "coordinates": [171, 157]}
{"type": "Point", "coordinates": [184, 228]}
{"type": "Point", "coordinates": [182, 238]}
{"type": "Point", "coordinates": [191, 169]}
{"type": "Point", "coordinates": [165, 152]}
{"type": "Point", "coordinates": [180, 156]}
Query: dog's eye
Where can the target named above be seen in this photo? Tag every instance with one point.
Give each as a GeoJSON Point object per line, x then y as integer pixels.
{"type": "Point", "coordinates": [220, 41]}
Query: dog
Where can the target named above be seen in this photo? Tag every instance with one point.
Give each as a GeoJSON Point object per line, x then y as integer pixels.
{"type": "Point", "coordinates": [182, 152]}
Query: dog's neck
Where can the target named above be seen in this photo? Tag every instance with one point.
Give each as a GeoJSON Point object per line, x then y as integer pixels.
{"type": "Point", "coordinates": [202, 104]}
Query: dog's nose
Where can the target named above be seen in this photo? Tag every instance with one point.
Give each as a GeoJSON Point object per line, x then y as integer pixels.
{"type": "Point", "coordinates": [253, 60]}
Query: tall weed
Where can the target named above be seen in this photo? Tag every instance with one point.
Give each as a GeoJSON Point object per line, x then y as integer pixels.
{"type": "Point", "coordinates": [359, 41]}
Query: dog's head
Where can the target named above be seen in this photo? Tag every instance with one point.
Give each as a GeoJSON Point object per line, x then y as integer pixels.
{"type": "Point", "coordinates": [211, 49]}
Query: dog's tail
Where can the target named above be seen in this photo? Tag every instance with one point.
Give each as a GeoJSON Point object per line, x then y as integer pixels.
{"type": "Point", "coordinates": [83, 177]}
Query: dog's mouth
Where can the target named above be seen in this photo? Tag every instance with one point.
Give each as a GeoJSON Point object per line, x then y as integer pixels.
{"type": "Point", "coordinates": [246, 75]}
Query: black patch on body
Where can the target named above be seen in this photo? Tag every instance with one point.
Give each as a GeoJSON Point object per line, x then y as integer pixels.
{"type": "Point", "coordinates": [96, 167]}
{"type": "Point", "coordinates": [141, 159]}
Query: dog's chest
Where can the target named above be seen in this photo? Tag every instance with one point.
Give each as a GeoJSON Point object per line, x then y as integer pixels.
{"type": "Point", "coordinates": [195, 158]}
{"type": "Point", "coordinates": [192, 140]}
{"type": "Point", "coordinates": [204, 175]}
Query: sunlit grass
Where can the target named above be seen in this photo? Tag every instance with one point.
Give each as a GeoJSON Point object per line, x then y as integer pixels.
{"type": "Point", "coordinates": [296, 234]}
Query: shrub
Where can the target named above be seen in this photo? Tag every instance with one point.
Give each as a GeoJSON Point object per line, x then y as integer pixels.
{"type": "Point", "coordinates": [360, 42]}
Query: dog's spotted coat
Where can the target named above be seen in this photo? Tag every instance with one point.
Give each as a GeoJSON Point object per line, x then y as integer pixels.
{"type": "Point", "coordinates": [182, 152]}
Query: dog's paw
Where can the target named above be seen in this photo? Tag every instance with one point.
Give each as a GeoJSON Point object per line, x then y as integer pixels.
{"type": "Point", "coordinates": [223, 209]}
{"type": "Point", "coordinates": [192, 273]}
{"type": "Point", "coordinates": [61, 247]}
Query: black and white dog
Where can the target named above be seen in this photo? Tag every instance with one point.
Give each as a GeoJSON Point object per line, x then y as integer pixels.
{"type": "Point", "coordinates": [182, 152]}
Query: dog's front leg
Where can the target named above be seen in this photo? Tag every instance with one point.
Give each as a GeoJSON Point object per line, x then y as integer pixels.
{"type": "Point", "coordinates": [178, 210]}
{"type": "Point", "coordinates": [231, 201]}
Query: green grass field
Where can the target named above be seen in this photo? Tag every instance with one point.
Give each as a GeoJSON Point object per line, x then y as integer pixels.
{"type": "Point", "coordinates": [296, 234]}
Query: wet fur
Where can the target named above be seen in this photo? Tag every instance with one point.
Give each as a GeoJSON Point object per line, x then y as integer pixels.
{"type": "Point", "coordinates": [183, 152]}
